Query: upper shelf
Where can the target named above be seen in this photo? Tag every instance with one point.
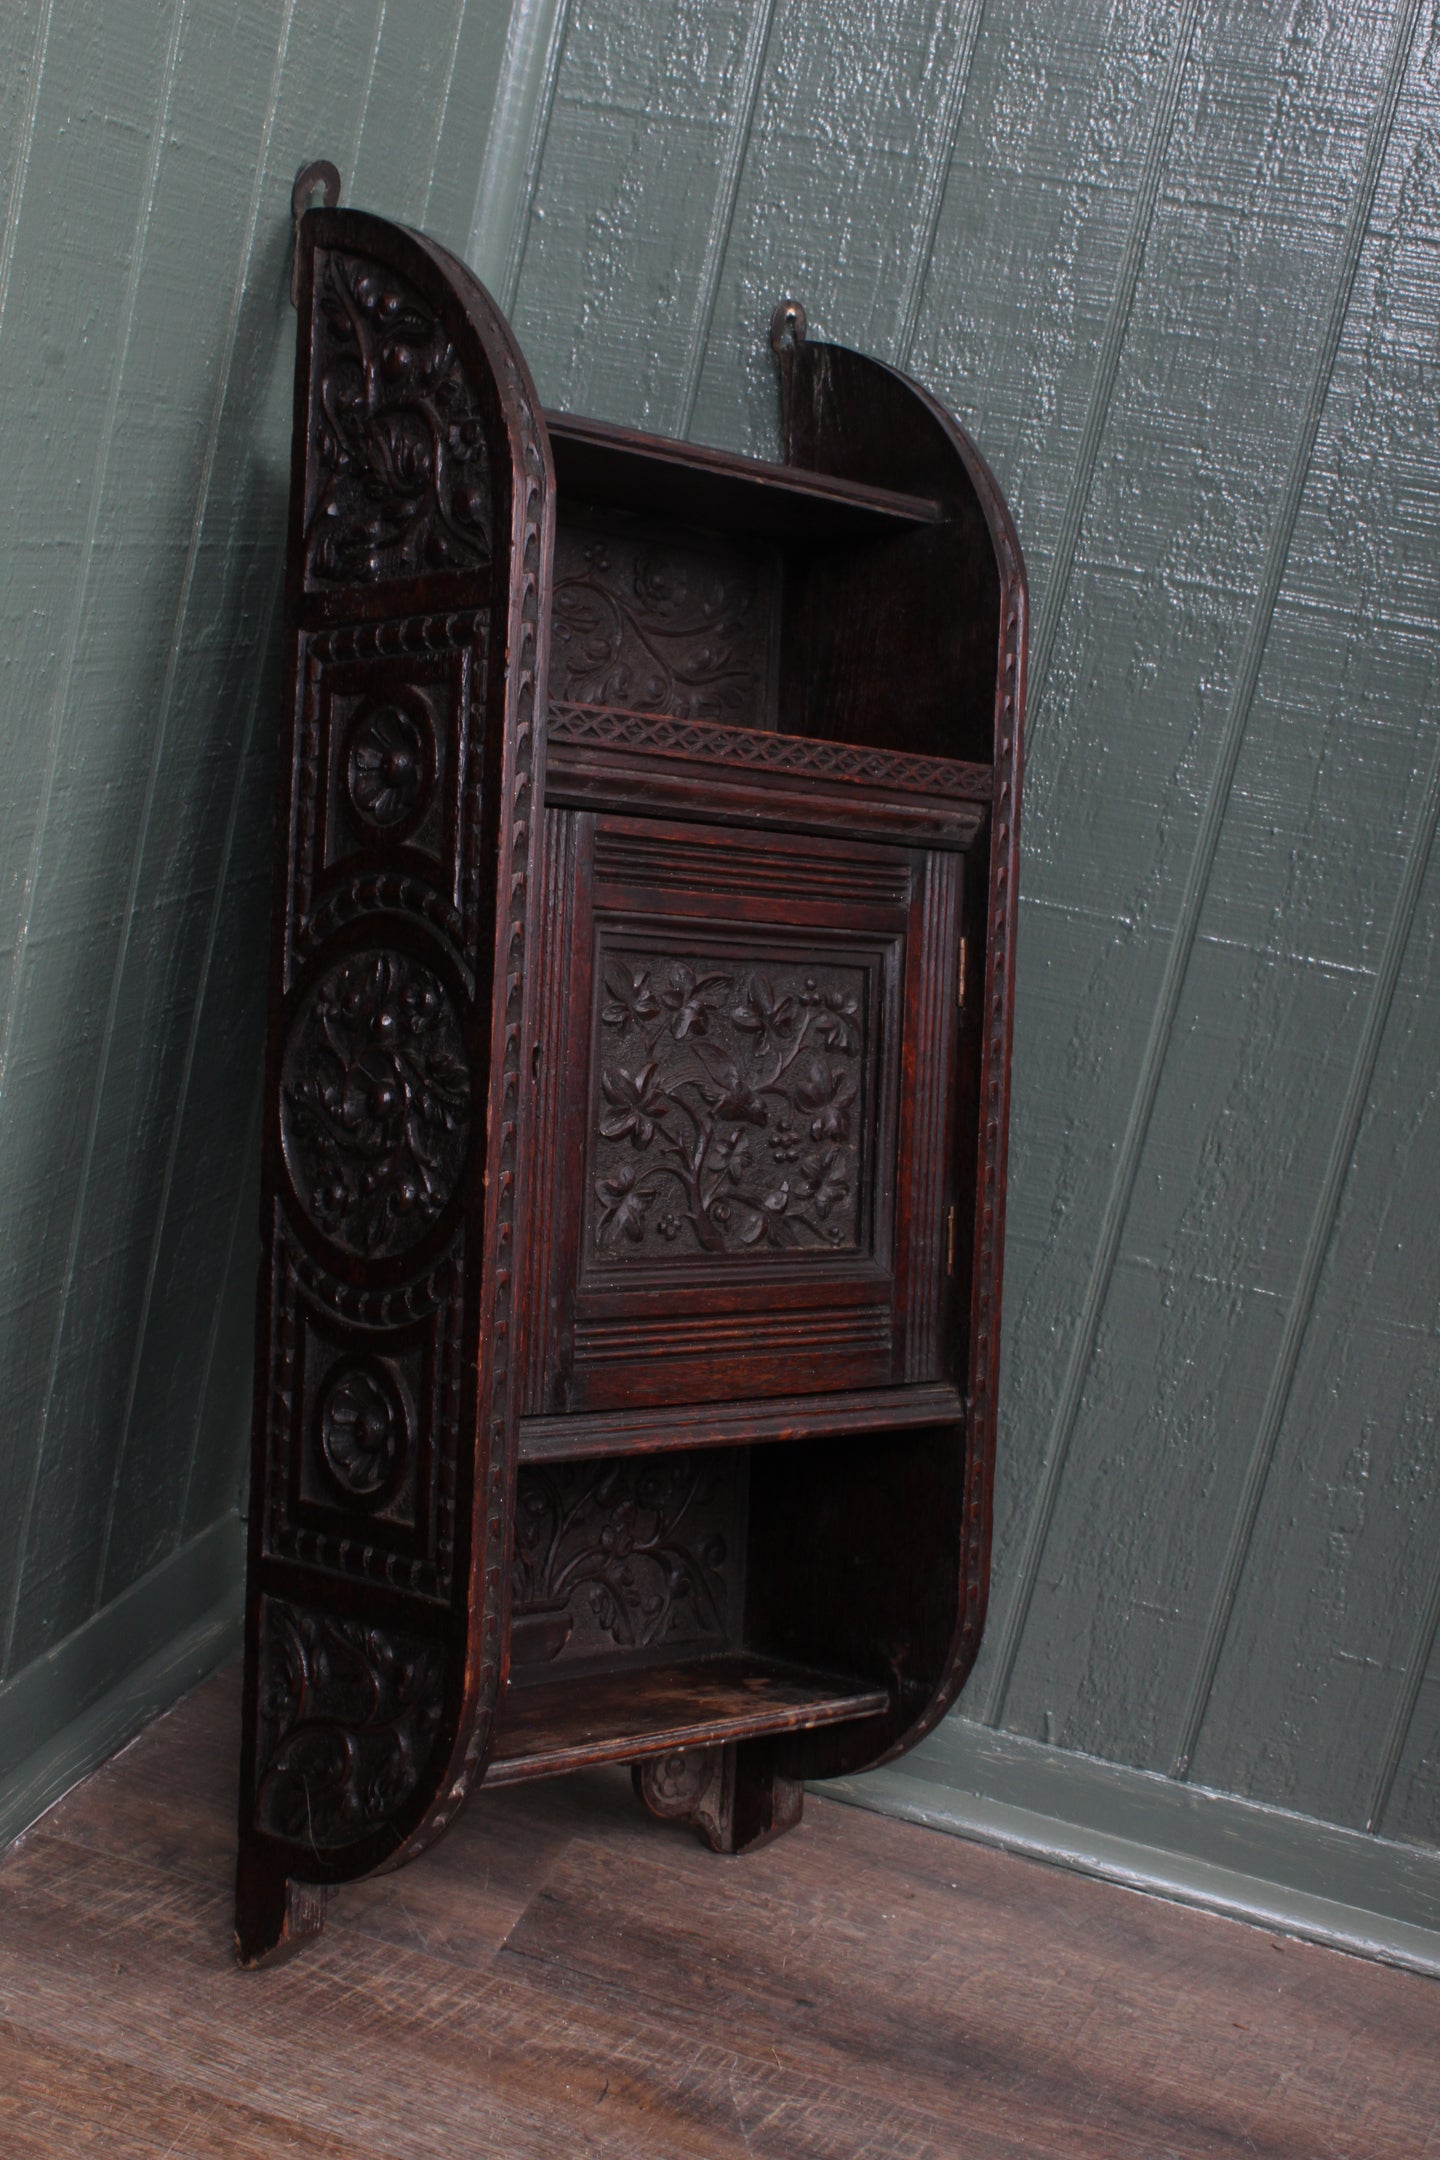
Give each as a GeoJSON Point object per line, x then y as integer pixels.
{"type": "Point", "coordinates": [597, 462]}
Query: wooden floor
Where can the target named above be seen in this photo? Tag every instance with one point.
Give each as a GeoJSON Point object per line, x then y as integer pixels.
{"type": "Point", "coordinates": [564, 1977]}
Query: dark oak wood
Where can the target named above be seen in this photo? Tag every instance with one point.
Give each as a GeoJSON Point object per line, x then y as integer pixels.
{"type": "Point", "coordinates": [655, 476]}
{"type": "Point", "coordinates": [566, 1976]}
{"type": "Point", "coordinates": [772, 1417]}
{"type": "Point", "coordinates": [554, 1725]}
{"type": "Point", "coordinates": [637, 1088]}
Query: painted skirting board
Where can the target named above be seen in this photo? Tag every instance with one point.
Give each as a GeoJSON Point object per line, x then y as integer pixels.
{"type": "Point", "coordinates": [1284, 1871]}
{"type": "Point", "coordinates": [69, 1710]}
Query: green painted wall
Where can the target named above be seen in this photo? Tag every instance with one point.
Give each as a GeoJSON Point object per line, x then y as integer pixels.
{"type": "Point", "coordinates": [147, 149]}
{"type": "Point", "coordinates": [1176, 266]}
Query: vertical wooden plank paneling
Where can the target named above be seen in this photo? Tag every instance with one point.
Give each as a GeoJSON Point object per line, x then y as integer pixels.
{"type": "Point", "coordinates": [466, 118]}
{"type": "Point", "coordinates": [1271, 251]}
{"type": "Point", "coordinates": [1050, 193]}
{"type": "Point", "coordinates": [1409, 1807]}
{"type": "Point", "coordinates": [24, 37]}
{"type": "Point", "coordinates": [1342, 1573]}
{"type": "Point", "coordinates": [401, 84]}
{"type": "Point", "coordinates": [395, 152]}
{"type": "Point", "coordinates": [836, 202]}
{"type": "Point", "coordinates": [145, 361]}
{"type": "Point", "coordinates": [650, 97]}
{"type": "Point", "coordinates": [208, 1120]}
{"type": "Point", "coordinates": [93, 152]}
{"type": "Point", "coordinates": [405, 82]}
{"type": "Point", "coordinates": [1342, 1557]}
{"type": "Point", "coordinates": [519, 131]}
{"type": "Point", "coordinates": [168, 768]}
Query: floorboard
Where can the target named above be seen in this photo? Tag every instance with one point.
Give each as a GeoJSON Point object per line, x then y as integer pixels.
{"type": "Point", "coordinates": [565, 1976]}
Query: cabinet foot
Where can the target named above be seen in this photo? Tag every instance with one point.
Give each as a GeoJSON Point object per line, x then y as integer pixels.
{"type": "Point", "coordinates": [731, 1794]}
{"type": "Point", "coordinates": [274, 1915]}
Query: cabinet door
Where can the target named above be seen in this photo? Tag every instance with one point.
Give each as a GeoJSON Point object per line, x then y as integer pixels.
{"type": "Point", "coordinates": [746, 1059]}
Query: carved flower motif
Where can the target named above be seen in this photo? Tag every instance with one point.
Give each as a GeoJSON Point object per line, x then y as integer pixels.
{"type": "Point", "coordinates": [402, 484]}
{"type": "Point", "coordinates": [376, 1102]}
{"type": "Point", "coordinates": [827, 1092]}
{"type": "Point", "coordinates": [837, 1026]}
{"type": "Point", "coordinates": [730, 1152]}
{"type": "Point", "coordinates": [635, 1104]}
{"type": "Point", "coordinates": [622, 1205]}
{"type": "Point", "coordinates": [784, 1141]}
{"type": "Point", "coordinates": [631, 1001]}
{"type": "Point", "coordinates": [825, 1186]}
{"type": "Point", "coordinates": [762, 1014]}
{"type": "Point", "coordinates": [674, 1781]}
{"type": "Point", "coordinates": [388, 767]}
{"type": "Point", "coordinates": [349, 1714]}
{"type": "Point", "coordinates": [362, 1430]}
{"type": "Point", "coordinates": [635, 1541]}
{"type": "Point", "coordinates": [768, 1225]}
{"type": "Point", "coordinates": [691, 999]}
{"type": "Point", "coordinates": [732, 1094]}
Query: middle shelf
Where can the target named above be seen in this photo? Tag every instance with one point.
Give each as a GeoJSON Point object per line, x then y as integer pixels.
{"type": "Point", "coordinates": [647, 1431]}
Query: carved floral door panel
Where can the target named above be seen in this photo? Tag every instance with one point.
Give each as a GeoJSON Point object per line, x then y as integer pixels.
{"type": "Point", "coordinates": [742, 1156]}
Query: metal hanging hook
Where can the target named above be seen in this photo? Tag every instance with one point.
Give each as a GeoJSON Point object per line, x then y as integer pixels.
{"type": "Point", "coordinates": [321, 174]}
{"type": "Point", "coordinates": [787, 327]}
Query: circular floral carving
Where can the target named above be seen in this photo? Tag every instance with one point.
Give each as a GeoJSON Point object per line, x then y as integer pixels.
{"type": "Point", "coordinates": [678, 1776]}
{"type": "Point", "coordinates": [363, 1429]}
{"type": "Point", "coordinates": [390, 763]}
{"type": "Point", "coordinates": [376, 1103]}
{"type": "Point", "coordinates": [678, 1779]}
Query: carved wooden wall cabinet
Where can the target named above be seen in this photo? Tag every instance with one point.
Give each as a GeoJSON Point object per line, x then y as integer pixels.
{"type": "Point", "coordinates": [634, 1154]}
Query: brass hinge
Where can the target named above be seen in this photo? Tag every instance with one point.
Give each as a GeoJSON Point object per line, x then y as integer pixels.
{"type": "Point", "coordinates": [960, 977]}
{"type": "Point", "coordinates": [950, 1241]}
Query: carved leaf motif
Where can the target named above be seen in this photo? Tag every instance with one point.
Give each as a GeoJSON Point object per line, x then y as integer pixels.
{"type": "Point", "coordinates": [348, 1712]}
{"type": "Point", "coordinates": [376, 1102]}
{"type": "Point", "coordinates": [743, 1089]}
{"type": "Point", "coordinates": [635, 1545]}
{"type": "Point", "coordinates": [401, 476]}
{"type": "Point", "coordinates": [670, 630]}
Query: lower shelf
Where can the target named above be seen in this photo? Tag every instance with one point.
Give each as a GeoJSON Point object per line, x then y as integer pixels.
{"type": "Point", "coordinates": [565, 1724]}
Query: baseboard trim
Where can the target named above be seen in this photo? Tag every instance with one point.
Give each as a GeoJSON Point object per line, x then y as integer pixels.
{"type": "Point", "coordinates": [1279, 1870]}
{"type": "Point", "coordinates": [69, 1710]}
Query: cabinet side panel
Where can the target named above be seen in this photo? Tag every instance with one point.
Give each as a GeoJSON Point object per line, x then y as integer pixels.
{"type": "Point", "coordinates": [854, 417]}
{"type": "Point", "coordinates": [393, 1154]}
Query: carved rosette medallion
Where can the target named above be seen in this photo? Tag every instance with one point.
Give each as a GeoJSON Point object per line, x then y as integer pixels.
{"type": "Point", "coordinates": [348, 1715]}
{"type": "Point", "coordinates": [729, 1108]}
{"type": "Point", "coordinates": [400, 473]}
{"type": "Point", "coordinates": [675, 1782]}
{"type": "Point", "coordinates": [375, 1103]}
{"type": "Point", "coordinates": [389, 763]}
{"type": "Point", "coordinates": [363, 1430]}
